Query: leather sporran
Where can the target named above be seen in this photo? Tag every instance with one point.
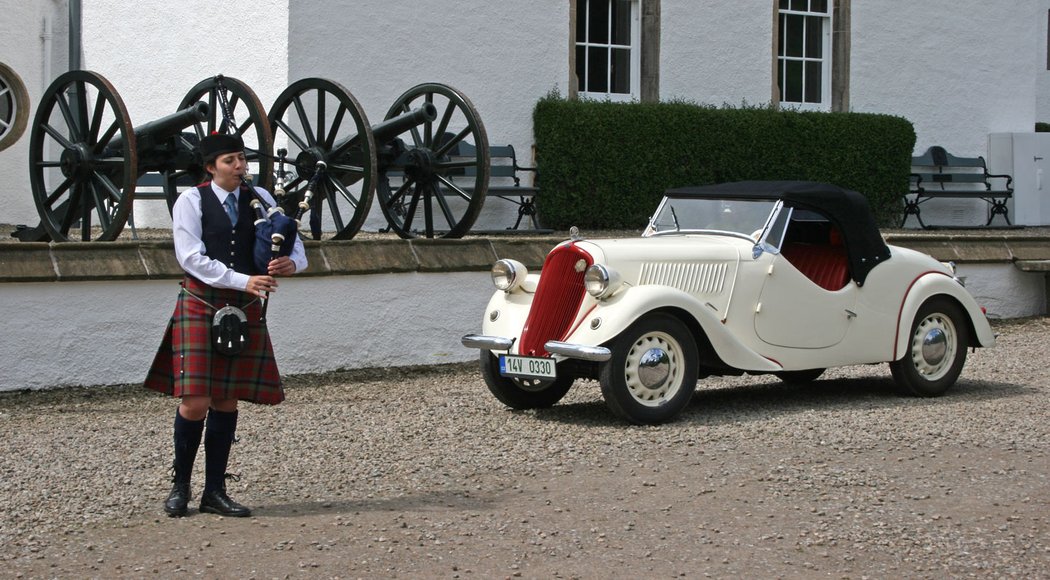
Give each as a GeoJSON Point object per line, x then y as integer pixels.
{"type": "Point", "coordinates": [229, 331]}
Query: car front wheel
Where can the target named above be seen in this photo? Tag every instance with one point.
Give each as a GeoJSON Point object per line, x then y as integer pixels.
{"type": "Point", "coordinates": [652, 373]}
{"type": "Point", "coordinates": [936, 350]}
{"type": "Point", "coordinates": [522, 393]}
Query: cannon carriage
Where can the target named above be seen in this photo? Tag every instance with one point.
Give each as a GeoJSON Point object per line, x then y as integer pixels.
{"type": "Point", "coordinates": [412, 162]}
{"type": "Point", "coordinates": [427, 162]}
{"type": "Point", "coordinates": [86, 159]}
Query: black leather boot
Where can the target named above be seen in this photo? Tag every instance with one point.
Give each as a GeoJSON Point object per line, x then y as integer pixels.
{"type": "Point", "coordinates": [217, 502]}
{"type": "Point", "coordinates": [175, 505]}
{"type": "Point", "coordinates": [187, 442]}
{"type": "Point", "coordinates": [218, 438]}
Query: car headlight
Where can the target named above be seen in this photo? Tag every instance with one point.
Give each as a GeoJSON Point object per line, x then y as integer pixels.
{"type": "Point", "coordinates": [601, 282]}
{"type": "Point", "coordinates": [507, 274]}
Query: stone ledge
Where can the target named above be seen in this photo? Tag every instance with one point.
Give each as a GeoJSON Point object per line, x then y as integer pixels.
{"type": "Point", "coordinates": [155, 259]}
{"type": "Point", "coordinates": [975, 246]}
{"type": "Point", "coordinates": [1033, 265]}
{"type": "Point", "coordinates": [359, 257]}
{"type": "Point", "coordinates": [28, 262]}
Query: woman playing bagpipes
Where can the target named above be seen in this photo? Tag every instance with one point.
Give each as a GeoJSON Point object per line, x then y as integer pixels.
{"type": "Point", "coordinates": [216, 350]}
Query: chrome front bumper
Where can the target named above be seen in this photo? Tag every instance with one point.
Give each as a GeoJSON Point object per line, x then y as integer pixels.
{"type": "Point", "coordinates": [486, 342]}
{"type": "Point", "coordinates": [580, 351]}
{"type": "Point", "coordinates": [577, 351]}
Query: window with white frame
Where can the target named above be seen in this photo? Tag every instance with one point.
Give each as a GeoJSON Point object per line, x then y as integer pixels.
{"type": "Point", "coordinates": [607, 49]}
{"type": "Point", "coordinates": [804, 53]}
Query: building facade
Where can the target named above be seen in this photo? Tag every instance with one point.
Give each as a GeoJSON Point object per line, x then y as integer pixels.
{"type": "Point", "coordinates": [959, 71]}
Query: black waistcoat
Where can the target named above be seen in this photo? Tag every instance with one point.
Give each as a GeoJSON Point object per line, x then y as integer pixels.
{"type": "Point", "coordinates": [230, 245]}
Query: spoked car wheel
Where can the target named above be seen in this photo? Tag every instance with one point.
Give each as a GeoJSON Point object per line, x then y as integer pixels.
{"type": "Point", "coordinates": [937, 350]}
{"type": "Point", "coordinates": [652, 373]}
{"type": "Point", "coordinates": [522, 393]}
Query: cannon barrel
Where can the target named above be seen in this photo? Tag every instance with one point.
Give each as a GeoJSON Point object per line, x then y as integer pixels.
{"type": "Point", "coordinates": [149, 134]}
{"type": "Point", "coordinates": [386, 131]}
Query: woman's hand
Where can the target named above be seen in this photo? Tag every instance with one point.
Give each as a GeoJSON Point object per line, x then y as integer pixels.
{"type": "Point", "coordinates": [283, 266]}
{"type": "Point", "coordinates": [260, 285]}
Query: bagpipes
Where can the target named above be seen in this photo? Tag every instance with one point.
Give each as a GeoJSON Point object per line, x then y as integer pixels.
{"type": "Point", "coordinates": [274, 236]}
{"type": "Point", "coordinates": [304, 205]}
{"type": "Point", "coordinates": [274, 231]}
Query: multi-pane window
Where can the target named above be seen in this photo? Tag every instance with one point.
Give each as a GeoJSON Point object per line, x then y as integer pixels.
{"type": "Point", "coordinates": [607, 34]}
{"type": "Point", "coordinates": [804, 52]}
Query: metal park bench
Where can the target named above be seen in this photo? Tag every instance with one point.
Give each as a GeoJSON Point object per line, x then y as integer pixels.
{"type": "Point", "coordinates": [505, 183]}
{"type": "Point", "coordinates": [939, 174]}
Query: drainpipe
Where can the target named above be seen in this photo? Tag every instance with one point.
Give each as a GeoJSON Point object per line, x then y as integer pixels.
{"type": "Point", "coordinates": [74, 35]}
{"type": "Point", "coordinates": [47, 35]}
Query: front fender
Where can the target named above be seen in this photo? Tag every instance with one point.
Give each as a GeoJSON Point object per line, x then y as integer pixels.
{"type": "Point", "coordinates": [511, 310]}
{"type": "Point", "coordinates": [931, 284]}
{"type": "Point", "coordinates": [627, 306]}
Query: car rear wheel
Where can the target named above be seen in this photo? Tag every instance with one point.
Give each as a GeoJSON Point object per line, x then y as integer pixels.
{"type": "Point", "coordinates": [522, 393]}
{"type": "Point", "coordinates": [652, 373]}
{"type": "Point", "coordinates": [936, 350]}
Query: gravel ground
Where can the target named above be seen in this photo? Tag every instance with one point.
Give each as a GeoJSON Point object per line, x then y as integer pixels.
{"type": "Point", "coordinates": [422, 473]}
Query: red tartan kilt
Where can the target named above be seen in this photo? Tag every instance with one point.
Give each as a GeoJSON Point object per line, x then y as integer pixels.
{"type": "Point", "coordinates": [187, 363]}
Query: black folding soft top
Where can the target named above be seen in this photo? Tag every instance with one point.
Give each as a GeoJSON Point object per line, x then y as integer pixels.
{"type": "Point", "coordinates": [848, 210]}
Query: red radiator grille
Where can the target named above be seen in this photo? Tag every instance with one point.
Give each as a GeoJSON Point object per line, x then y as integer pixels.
{"type": "Point", "coordinates": [558, 298]}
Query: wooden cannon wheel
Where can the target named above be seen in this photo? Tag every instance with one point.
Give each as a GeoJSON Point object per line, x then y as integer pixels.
{"type": "Point", "coordinates": [82, 158]}
{"type": "Point", "coordinates": [14, 106]}
{"type": "Point", "coordinates": [252, 125]}
{"type": "Point", "coordinates": [436, 186]}
{"type": "Point", "coordinates": [319, 120]}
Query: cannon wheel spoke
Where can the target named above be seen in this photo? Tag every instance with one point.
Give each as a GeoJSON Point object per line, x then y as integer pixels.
{"type": "Point", "coordinates": [318, 119]}
{"type": "Point", "coordinates": [80, 180]}
{"type": "Point", "coordinates": [413, 205]}
{"type": "Point", "coordinates": [252, 125]}
{"type": "Point", "coordinates": [451, 169]}
{"type": "Point", "coordinates": [337, 216]}
{"type": "Point", "coordinates": [335, 186]}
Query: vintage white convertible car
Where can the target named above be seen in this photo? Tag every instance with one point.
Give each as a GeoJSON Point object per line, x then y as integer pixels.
{"type": "Point", "coordinates": [787, 278]}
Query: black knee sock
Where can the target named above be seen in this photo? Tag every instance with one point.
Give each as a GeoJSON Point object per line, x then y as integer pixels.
{"type": "Point", "coordinates": [217, 441]}
{"type": "Point", "coordinates": [187, 441]}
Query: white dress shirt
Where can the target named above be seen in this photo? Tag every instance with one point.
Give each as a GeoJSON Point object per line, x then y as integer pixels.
{"type": "Point", "coordinates": [189, 247]}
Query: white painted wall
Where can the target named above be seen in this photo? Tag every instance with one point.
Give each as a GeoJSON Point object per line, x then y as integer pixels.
{"type": "Point", "coordinates": [1042, 66]}
{"type": "Point", "coordinates": [957, 73]}
{"type": "Point", "coordinates": [95, 333]}
{"type": "Point", "coordinates": [503, 55]}
{"type": "Point", "coordinates": [716, 52]}
{"type": "Point", "coordinates": [103, 333]}
{"type": "Point", "coordinates": [23, 47]}
{"type": "Point", "coordinates": [1005, 291]}
{"type": "Point", "coordinates": [155, 51]}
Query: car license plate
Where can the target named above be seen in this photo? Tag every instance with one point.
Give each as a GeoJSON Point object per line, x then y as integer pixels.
{"type": "Point", "coordinates": [529, 367]}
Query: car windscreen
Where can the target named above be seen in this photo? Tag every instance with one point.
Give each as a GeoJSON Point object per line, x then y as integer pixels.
{"type": "Point", "coordinates": [693, 215]}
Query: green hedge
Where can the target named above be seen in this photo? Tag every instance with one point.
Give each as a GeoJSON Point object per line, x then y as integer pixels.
{"type": "Point", "coordinates": [606, 165]}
